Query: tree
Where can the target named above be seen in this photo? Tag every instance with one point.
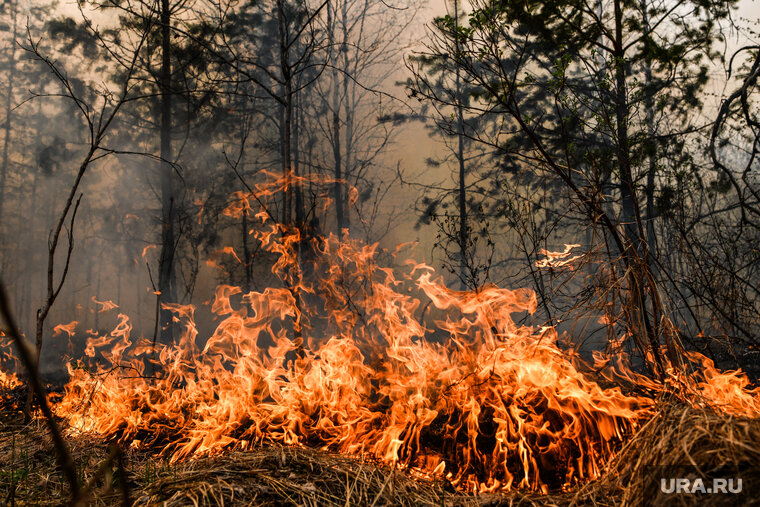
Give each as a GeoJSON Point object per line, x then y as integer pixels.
{"type": "Point", "coordinates": [440, 76]}
{"type": "Point", "coordinates": [173, 89]}
{"type": "Point", "coordinates": [367, 37]}
{"type": "Point", "coordinates": [537, 65]}
{"type": "Point", "coordinates": [98, 120]}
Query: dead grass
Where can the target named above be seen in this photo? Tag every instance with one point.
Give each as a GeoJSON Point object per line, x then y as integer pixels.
{"type": "Point", "coordinates": [682, 441]}
{"type": "Point", "coordinates": [293, 476]}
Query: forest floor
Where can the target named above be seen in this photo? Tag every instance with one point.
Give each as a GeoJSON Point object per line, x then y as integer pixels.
{"type": "Point", "coordinates": [677, 435]}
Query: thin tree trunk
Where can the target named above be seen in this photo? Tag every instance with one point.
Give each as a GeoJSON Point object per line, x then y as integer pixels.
{"type": "Point", "coordinates": [300, 209]}
{"type": "Point", "coordinates": [338, 168]}
{"type": "Point", "coordinates": [288, 111]}
{"type": "Point", "coordinates": [463, 232]}
{"type": "Point", "coordinates": [348, 106]}
{"type": "Point", "coordinates": [168, 204]}
{"type": "Point", "coordinates": [636, 250]}
{"type": "Point", "coordinates": [247, 282]}
{"type": "Point", "coordinates": [652, 169]}
{"type": "Point", "coordinates": [287, 152]}
{"type": "Point", "coordinates": [54, 289]}
{"type": "Point", "coordinates": [8, 111]}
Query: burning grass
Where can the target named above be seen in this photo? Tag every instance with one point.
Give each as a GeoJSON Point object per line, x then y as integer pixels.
{"type": "Point", "coordinates": [675, 435]}
{"type": "Point", "coordinates": [347, 355]}
{"type": "Point", "coordinates": [435, 394]}
{"type": "Point", "coordinates": [477, 399]}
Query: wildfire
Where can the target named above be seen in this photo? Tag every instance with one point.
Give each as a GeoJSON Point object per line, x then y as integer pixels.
{"type": "Point", "coordinates": [477, 397]}
{"type": "Point", "coordinates": [359, 358]}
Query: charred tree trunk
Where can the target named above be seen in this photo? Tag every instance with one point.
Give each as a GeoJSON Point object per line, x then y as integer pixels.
{"type": "Point", "coordinates": [168, 203]}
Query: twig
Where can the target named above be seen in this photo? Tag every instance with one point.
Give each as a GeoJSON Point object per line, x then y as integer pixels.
{"type": "Point", "coordinates": [65, 460]}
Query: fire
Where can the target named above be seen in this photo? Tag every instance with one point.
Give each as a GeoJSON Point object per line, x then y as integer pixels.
{"type": "Point", "coordinates": [363, 359]}
{"type": "Point", "coordinates": [558, 259]}
{"type": "Point", "coordinates": [727, 391]}
{"type": "Point", "coordinates": [8, 381]}
{"type": "Point", "coordinates": [104, 305]}
{"type": "Point", "coordinates": [490, 403]}
{"type": "Point", "coordinates": [380, 361]}
{"type": "Point", "coordinates": [65, 328]}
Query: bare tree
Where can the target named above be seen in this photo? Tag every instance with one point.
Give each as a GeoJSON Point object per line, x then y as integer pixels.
{"type": "Point", "coordinates": [349, 110]}
{"type": "Point", "coordinates": [98, 120]}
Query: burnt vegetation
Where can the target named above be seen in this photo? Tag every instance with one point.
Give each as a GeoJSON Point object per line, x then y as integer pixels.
{"type": "Point", "coordinates": [363, 252]}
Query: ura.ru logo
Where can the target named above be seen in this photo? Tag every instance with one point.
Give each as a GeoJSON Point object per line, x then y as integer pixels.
{"type": "Point", "coordinates": [689, 486]}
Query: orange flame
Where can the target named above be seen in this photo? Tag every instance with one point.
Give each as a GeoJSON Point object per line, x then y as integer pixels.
{"type": "Point", "coordinates": [105, 306]}
{"type": "Point", "coordinates": [393, 365]}
{"type": "Point", "coordinates": [371, 360]}
{"type": "Point", "coordinates": [8, 381]}
{"type": "Point", "coordinates": [65, 328]}
{"type": "Point", "coordinates": [558, 259]}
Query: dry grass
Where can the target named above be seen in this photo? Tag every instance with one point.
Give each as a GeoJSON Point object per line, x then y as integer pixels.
{"type": "Point", "coordinates": [293, 476]}
{"type": "Point", "coordinates": [682, 441]}
{"type": "Point", "coordinates": [677, 435]}
{"type": "Point", "coordinates": [29, 473]}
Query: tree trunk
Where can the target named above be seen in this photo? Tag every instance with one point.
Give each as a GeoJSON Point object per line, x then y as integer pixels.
{"type": "Point", "coordinates": [166, 285]}
{"type": "Point", "coordinates": [349, 113]}
{"type": "Point", "coordinates": [463, 232]}
{"type": "Point", "coordinates": [287, 80]}
{"type": "Point", "coordinates": [652, 169]}
{"type": "Point", "coordinates": [247, 261]}
{"type": "Point", "coordinates": [639, 275]}
{"type": "Point", "coordinates": [8, 111]}
{"type": "Point", "coordinates": [300, 209]}
{"type": "Point", "coordinates": [337, 159]}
